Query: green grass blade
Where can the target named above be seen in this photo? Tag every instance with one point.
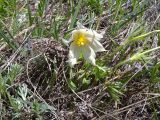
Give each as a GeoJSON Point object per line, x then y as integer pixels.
{"type": "Point", "coordinates": [73, 19]}
{"type": "Point", "coordinates": [7, 40]}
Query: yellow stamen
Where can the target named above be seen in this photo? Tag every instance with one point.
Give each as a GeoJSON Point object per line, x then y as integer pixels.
{"type": "Point", "coordinates": [80, 38]}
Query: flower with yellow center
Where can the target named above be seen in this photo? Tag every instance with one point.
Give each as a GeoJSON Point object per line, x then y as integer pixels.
{"type": "Point", "coordinates": [86, 42]}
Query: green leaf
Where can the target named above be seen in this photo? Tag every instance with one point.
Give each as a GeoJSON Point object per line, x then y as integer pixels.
{"type": "Point", "coordinates": [155, 115]}
{"type": "Point", "coordinates": [23, 90]}
{"type": "Point", "coordinates": [72, 85]}
{"type": "Point", "coordinates": [15, 70]}
{"type": "Point", "coordinates": [85, 81]}
{"type": "Point", "coordinates": [45, 107]}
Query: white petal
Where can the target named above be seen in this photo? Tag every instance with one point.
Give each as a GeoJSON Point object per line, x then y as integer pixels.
{"type": "Point", "coordinates": [93, 34]}
{"type": "Point", "coordinates": [66, 42]}
{"type": "Point", "coordinates": [97, 46]}
{"type": "Point", "coordinates": [74, 31]}
{"type": "Point", "coordinates": [74, 54]}
{"type": "Point", "coordinates": [72, 62]}
{"type": "Point", "coordinates": [80, 26]}
{"type": "Point", "coordinates": [89, 54]}
{"type": "Point", "coordinates": [97, 35]}
{"type": "Point", "coordinates": [75, 50]}
{"type": "Point", "coordinates": [103, 32]}
{"type": "Point", "coordinates": [72, 59]}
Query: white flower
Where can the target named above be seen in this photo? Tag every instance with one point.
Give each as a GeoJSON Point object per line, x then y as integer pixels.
{"type": "Point", "coordinates": [84, 42]}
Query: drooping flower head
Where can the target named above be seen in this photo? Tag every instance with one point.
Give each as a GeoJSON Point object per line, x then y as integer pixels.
{"type": "Point", "coordinates": [86, 42]}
